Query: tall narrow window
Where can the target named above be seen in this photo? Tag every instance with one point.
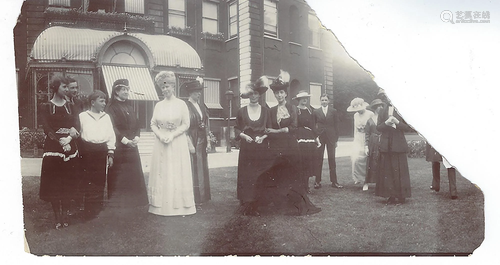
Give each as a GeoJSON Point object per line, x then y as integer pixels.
{"type": "Point", "coordinates": [210, 17]}
{"type": "Point", "coordinates": [134, 6]}
{"type": "Point", "coordinates": [315, 91]}
{"type": "Point", "coordinates": [177, 13]}
{"type": "Point", "coordinates": [270, 18]}
{"type": "Point", "coordinates": [314, 31]}
{"type": "Point", "coordinates": [233, 19]}
{"type": "Point", "coordinates": [64, 3]}
{"type": "Point", "coordinates": [294, 24]}
{"type": "Point", "coordinates": [211, 94]}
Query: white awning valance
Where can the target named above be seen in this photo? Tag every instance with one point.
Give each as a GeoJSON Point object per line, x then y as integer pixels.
{"type": "Point", "coordinates": [140, 81]}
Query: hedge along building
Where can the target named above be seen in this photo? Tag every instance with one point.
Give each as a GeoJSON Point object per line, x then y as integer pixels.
{"type": "Point", "coordinates": [236, 42]}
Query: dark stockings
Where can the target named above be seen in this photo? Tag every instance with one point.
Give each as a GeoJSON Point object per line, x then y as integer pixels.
{"type": "Point", "coordinates": [60, 208]}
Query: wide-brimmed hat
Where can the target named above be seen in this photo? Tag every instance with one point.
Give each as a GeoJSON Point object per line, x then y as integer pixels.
{"type": "Point", "coordinates": [281, 82]}
{"type": "Point", "coordinates": [302, 94]}
{"type": "Point", "coordinates": [357, 104]}
{"type": "Point", "coordinates": [193, 85]}
{"type": "Point", "coordinates": [375, 103]}
{"type": "Point", "coordinates": [261, 86]}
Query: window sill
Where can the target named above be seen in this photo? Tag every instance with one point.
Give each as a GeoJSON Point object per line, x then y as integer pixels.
{"type": "Point", "coordinates": [233, 38]}
{"type": "Point", "coordinates": [294, 43]}
{"type": "Point", "coordinates": [272, 38]}
{"type": "Point", "coordinates": [315, 48]}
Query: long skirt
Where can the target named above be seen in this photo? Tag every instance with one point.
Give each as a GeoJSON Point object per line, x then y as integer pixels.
{"type": "Point", "coordinates": [94, 167]}
{"type": "Point", "coordinates": [126, 185]}
{"type": "Point", "coordinates": [59, 175]}
{"type": "Point", "coordinates": [201, 182]}
{"type": "Point", "coordinates": [253, 161]}
{"type": "Point", "coordinates": [394, 178]}
{"type": "Point", "coordinates": [170, 185]}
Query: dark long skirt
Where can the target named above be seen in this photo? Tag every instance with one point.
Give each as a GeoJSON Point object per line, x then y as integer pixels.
{"type": "Point", "coordinates": [59, 174]}
{"type": "Point", "coordinates": [308, 152]}
{"type": "Point", "coordinates": [201, 182]}
{"type": "Point", "coordinates": [253, 161]}
{"type": "Point", "coordinates": [126, 185]}
{"type": "Point", "coordinates": [394, 178]}
{"type": "Point", "coordinates": [93, 163]}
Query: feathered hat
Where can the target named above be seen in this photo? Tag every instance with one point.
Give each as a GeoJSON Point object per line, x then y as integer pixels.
{"type": "Point", "coordinates": [261, 86]}
{"type": "Point", "coordinates": [193, 85]}
{"type": "Point", "coordinates": [282, 81]}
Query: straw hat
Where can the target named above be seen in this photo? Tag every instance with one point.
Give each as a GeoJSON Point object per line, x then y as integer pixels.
{"type": "Point", "coordinates": [357, 104]}
{"type": "Point", "coordinates": [193, 85]}
{"type": "Point", "coordinates": [302, 94]}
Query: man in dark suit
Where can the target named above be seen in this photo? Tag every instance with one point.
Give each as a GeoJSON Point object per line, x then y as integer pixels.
{"type": "Point", "coordinates": [72, 96]}
{"type": "Point", "coordinates": [326, 126]}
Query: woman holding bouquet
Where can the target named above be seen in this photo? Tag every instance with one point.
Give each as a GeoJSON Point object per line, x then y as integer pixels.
{"type": "Point", "coordinates": [251, 123]}
{"type": "Point", "coordinates": [170, 187]}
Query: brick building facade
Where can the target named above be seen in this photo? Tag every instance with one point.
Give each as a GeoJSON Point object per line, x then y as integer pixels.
{"type": "Point", "coordinates": [228, 42]}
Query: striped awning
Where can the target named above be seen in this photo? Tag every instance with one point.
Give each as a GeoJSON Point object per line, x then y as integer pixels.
{"type": "Point", "coordinates": [77, 44]}
{"type": "Point", "coordinates": [140, 81]}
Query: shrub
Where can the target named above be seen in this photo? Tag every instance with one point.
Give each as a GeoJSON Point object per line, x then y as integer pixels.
{"type": "Point", "coordinates": [29, 139]}
{"type": "Point", "coordinates": [416, 148]}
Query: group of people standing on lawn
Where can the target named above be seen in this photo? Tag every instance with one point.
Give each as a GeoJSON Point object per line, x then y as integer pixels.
{"type": "Point", "coordinates": [91, 150]}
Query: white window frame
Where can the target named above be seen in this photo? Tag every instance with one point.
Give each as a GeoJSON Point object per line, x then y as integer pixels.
{"type": "Point", "coordinates": [62, 3]}
{"type": "Point", "coordinates": [175, 12]}
{"type": "Point", "coordinates": [204, 18]}
{"type": "Point", "coordinates": [232, 20]}
{"type": "Point", "coordinates": [315, 89]}
{"type": "Point", "coordinates": [134, 6]}
{"type": "Point", "coordinates": [274, 4]}
{"type": "Point", "coordinates": [211, 93]}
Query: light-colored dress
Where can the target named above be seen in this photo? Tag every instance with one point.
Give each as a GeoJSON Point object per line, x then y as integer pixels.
{"type": "Point", "coordinates": [358, 156]}
{"type": "Point", "coordinates": [170, 185]}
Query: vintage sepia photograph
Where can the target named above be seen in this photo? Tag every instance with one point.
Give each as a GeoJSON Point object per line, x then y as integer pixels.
{"type": "Point", "coordinates": [214, 128]}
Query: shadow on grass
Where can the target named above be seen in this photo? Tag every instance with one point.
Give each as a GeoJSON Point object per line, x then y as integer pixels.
{"type": "Point", "coordinates": [352, 222]}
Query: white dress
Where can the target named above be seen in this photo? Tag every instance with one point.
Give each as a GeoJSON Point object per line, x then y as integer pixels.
{"type": "Point", "coordinates": [170, 185]}
{"type": "Point", "coordinates": [358, 156]}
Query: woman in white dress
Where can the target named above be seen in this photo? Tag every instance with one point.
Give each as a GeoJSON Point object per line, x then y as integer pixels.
{"type": "Point", "coordinates": [170, 187]}
{"type": "Point", "coordinates": [358, 156]}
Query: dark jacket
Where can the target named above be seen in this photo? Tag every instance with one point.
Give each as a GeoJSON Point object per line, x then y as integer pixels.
{"type": "Point", "coordinates": [327, 127]}
{"type": "Point", "coordinates": [392, 139]}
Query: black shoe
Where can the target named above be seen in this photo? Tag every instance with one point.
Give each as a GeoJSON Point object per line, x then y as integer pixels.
{"type": "Point", "coordinates": [454, 197]}
{"type": "Point", "coordinates": [336, 185]}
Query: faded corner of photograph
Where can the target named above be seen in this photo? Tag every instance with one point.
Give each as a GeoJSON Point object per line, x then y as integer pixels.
{"type": "Point", "coordinates": [220, 127]}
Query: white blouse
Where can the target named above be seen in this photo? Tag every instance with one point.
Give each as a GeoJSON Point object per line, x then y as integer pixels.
{"type": "Point", "coordinates": [97, 128]}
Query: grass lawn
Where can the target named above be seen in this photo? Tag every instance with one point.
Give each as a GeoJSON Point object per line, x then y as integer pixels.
{"type": "Point", "coordinates": [352, 222]}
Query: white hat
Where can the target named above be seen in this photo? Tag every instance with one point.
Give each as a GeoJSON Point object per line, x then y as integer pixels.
{"type": "Point", "coordinates": [302, 94]}
{"type": "Point", "coordinates": [357, 104]}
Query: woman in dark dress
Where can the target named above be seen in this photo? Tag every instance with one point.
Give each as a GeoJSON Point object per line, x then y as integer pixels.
{"type": "Point", "coordinates": [284, 183]}
{"type": "Point", "coordinates": [251, 123]}
{"type": "Point", "coordinates": [197, 133]}
{"type": "Point", "coordinates": [306, 138]}
{"type": "Point", "coordinates": [126, 186]}
{"type": "Point", "coordinates": [372, 144]}
{"type": "Point", "coordinates": [58, 181]}
{"type": "Point", "coordinates": [394, 179]}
